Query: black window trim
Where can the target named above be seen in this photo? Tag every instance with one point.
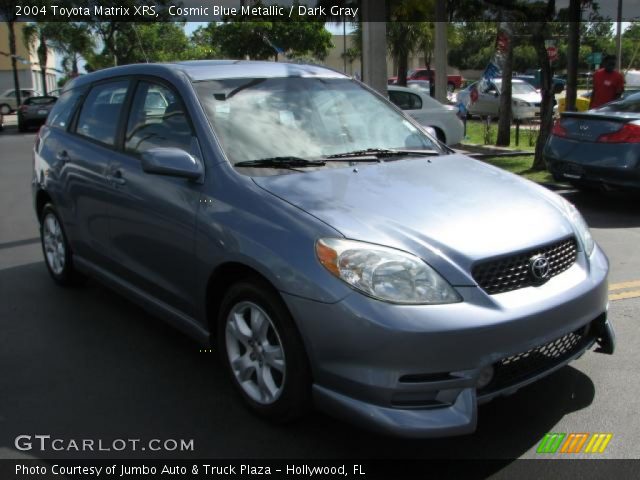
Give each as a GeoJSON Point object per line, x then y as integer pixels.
{"type": "Point", "coordinates": [133, 81]}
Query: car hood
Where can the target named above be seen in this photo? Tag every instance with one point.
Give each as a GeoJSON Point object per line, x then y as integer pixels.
{"type": "Point", "coordinates": [450, 210]}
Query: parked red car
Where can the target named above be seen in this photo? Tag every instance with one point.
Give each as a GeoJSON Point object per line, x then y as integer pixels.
{"type": "Point", "coordinates": [453, 81]}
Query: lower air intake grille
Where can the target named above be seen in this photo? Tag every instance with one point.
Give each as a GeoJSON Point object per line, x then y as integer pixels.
{"type": "Point", "coordinates": [517, 368]}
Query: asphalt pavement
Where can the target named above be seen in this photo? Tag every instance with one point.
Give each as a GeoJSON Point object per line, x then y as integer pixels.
{"type": "Point", "coordinates": [86, 363]}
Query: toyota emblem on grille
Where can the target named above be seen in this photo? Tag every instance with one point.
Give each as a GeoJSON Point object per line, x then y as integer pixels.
{"type": "Point", "coordinates": [539, 267]}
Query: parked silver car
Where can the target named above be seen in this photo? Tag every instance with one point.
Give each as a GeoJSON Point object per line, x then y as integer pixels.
{"type": "Point", "coordinates": [334, 252]}
{"type": "Point", "coordinates": [525, 100]}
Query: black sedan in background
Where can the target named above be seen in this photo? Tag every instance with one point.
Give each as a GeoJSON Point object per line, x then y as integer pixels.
{"type": "Point", "coordinates": [34, 111]}
{"type": "Point", "coordinates": [598, 148]}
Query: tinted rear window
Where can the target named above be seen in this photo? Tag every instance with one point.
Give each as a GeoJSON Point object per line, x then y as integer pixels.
{"type": "Point", "coordinates": [40, 101]}
{"type": "Point", "coordinates": [63, 109]}
{"type": "Point", "coordinates": [100, 112]}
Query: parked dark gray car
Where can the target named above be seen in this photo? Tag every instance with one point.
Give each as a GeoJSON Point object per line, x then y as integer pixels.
{"type": "Point", "coordinates": [34, 111]}
{"type": "Point", "coordinates": [334, 252]}
{"type": "Point", "coordinates": [598, 148]}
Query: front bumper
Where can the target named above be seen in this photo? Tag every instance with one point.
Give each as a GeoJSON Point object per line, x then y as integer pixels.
{"type": "Point", "coordinates": [413, 370]}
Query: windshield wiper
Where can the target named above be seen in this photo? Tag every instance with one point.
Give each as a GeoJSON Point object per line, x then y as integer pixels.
{"type": "Point", "coordinates": [384, 153]}
{"type": "Point", "coordinates": [281, 162]}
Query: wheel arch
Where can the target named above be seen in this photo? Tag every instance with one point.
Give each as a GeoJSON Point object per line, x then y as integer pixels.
{"type": "Point", "coordinates": [220, 279]}
{"type": "Point", "coordinates": [42, 198]}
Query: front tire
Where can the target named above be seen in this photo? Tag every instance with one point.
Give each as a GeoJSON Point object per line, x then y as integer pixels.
{"type": "Point", "coordinates": [56, 249]}
{"type": "Point", "coordinates": [263, 352]}
{"type": "Point", "coordinates": [5, 109]}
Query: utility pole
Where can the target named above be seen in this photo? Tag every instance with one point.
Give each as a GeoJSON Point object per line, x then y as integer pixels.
{"type": "Point", "coordinates": [573, 49]}
{"type": "Point", "coordinates": [441, 51]}
{"type": "Point", "coordinates": [374, 47]}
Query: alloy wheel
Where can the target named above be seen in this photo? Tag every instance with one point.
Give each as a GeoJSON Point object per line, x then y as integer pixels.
{"type": "Point", "coordinates": [255, 352]}
{"type": "Point", "coordinates": [54, 245]}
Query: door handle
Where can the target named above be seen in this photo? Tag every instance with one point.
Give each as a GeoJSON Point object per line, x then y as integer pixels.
{"type": "Point", "coordinates": [62, 156]}
{"type": "Point", "coordinates": [117, 178]}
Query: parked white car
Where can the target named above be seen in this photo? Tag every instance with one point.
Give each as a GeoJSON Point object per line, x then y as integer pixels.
{"type": "Point", "coordinates": [8, 101]}
{"type": "Point", "coordinates": [429, 112]}
{"type": "Point", "coordinates": [525, 100]}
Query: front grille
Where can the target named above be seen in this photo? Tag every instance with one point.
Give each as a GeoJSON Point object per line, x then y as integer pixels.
{"type": "Point", "coordinates": [512, 272]}
{"type": "Point", "coordinates": [517, 368]}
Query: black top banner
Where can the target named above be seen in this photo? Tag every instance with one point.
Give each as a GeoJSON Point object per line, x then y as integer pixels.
{"type": "Point", "coordinates": [310, 10]}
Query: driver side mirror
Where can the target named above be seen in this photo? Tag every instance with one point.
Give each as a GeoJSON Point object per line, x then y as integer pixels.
{"type": "Point", "coordinates": [173, 162]}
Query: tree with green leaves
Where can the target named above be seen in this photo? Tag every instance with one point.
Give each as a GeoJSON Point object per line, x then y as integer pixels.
{"type": "Point", "coordinates": [118, 39]}
{"type": "Point", "coordinates": [145, 42]}
{"type": "Point", "coordinates": [73, 41]}
{"type": "Point", "coordinates": [472, 45]}
{"type": "Point", "coordinates": [261, 39]}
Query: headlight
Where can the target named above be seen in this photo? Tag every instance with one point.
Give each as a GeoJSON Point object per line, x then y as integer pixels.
{"type": "Point", "coordinates": [384, 273]}
{"type": "Point", "coordinates": [580, 226]}
{"type": "Point", "coordinates": [520, 103]}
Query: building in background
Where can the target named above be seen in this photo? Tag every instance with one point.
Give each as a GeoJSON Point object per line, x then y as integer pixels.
{"type": "Point", "coordinates": [336, 59]}
{"type": "Point", "coordinates": [29, 74]}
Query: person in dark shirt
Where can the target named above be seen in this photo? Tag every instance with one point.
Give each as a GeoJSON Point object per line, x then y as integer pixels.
{"type": "Point", "coordinates": [608, 83]}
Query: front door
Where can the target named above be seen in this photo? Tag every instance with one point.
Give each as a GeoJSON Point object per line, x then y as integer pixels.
{"type": "Point", "coordinates": [153, 217]}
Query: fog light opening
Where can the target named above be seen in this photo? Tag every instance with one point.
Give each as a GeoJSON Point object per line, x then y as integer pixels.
{"type": "Point", "coordinates": [485, 377]}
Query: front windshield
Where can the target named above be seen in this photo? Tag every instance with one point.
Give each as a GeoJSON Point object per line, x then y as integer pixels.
{"type": "Point", "coordinates": [258, 118]}
{"type": "Point", "coordinates": [630, 104]}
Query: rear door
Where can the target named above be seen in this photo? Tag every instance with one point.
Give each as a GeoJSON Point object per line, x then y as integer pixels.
{"type": "Point", "coordinates": [82, 155]}
{"type": "Point", "coordinates": [153, 217]}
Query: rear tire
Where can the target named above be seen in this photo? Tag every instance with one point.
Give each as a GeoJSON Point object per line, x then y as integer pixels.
{"type": "Point", "coordinates": [263, 352]}
{"type": "Point", "coordinates": [56, 249]}
{"type": "Point", "coordinates": [22, 127]}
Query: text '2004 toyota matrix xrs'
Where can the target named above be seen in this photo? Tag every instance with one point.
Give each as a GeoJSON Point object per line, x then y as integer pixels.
{"type": "Point", "coordinates": [335, 253]}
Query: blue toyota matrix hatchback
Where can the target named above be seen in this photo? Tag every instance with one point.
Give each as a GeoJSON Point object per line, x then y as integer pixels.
{"type": "Point", "coordinates": [335, 253]}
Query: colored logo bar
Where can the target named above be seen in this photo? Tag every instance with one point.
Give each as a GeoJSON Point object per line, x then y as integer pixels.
{"type": "Point", "coordinates": [574, 443]}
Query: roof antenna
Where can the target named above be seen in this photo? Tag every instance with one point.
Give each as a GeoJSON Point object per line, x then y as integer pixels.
{"type": "Point", "coordinates": [146, 59]}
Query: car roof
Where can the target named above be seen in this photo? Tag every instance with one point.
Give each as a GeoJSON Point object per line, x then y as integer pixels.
{"type": "Point", "coordinates": [199, 70]}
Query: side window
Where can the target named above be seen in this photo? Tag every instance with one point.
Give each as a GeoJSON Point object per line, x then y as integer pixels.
{"type": "Point", "coordinates": [157, 119]}
{"type": "Point", "coordinates": [101, 111]}
{"type": "Point", "coordinates": [415, 101]}
{"type": "Point", "coordinates": [63, 109]}
{"type": "Point", "coordinates": [406, 100]}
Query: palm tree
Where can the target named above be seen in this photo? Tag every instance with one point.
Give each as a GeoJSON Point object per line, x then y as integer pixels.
{"type": "Point", "coordinates": [38, 33]}
{"type": "Point", "coordinates": [73, 41]}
